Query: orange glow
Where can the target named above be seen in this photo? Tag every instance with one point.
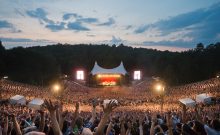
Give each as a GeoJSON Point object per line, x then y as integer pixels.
{"type": "Point", "coordinates": [108, 79]}
{"type": "Point", "coordinates": [109, 83]}
{"type": "Point", "coordinates": [56, 87]}
{"type": "Point", "coordinates": [108, 75]}
{"type": "Point", "coordinates": [159, 88]}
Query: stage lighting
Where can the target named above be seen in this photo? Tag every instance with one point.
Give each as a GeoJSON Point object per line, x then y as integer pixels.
{"type": "Point", "coordinates": [5, 77]}
{"type": "Point", "coordinates": [108, 75]}
{"type": "Point", "coordinates": [137, 75]}
{"type": "Point", "coordinates": [159, 87]}
{"type": "Point", "coordinates": [56, 87]}
{"type": "Point", "coordinates": [80, 75]}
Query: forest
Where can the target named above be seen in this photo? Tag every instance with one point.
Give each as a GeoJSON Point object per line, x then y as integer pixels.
{"type": "Point", "coordinates": [42, 65]}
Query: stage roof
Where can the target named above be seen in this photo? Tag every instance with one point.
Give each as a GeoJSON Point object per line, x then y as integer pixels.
{"type": "Point", "coordinates": [117, 70]}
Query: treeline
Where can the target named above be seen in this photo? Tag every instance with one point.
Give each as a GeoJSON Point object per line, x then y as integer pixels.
{"type": "Point", "coordinates": [44, 64]}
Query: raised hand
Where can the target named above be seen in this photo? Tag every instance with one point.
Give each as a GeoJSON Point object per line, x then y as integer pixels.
{"type": "Point", "coordinates": [50, 106]}
{"type": "Point", "coordinates": [107, 110]}
{"type": "Point", "coordinates": [52, 109]}
{"type": "Point", "coordinates": [109, 107]}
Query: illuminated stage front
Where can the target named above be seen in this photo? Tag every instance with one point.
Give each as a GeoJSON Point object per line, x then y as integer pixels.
{"type": "Point", "coordinates": [108, 79]}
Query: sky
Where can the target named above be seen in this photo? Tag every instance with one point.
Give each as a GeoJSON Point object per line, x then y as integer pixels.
{"type": "Point", "coordinates": [174, 25]}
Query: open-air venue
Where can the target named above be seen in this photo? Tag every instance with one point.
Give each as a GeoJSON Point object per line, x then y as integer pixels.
{"type": "Point", "coordinates": [109, 67]}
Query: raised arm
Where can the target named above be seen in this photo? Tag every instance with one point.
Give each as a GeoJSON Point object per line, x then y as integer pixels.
{"type": "Point", "coordinates": [16, 125]}
{"type": "Point", "coordinates": [129, 128]}
{"type": "Point", "coordinates": [1, 131]}
{"type": "Point", "coordinates": [169, 124]}
{"type": "Point", "coordinates": [52, 109]}
{"type": "Point", "coordinates": [109, 128]}
{"type": "Point", "coordinates": [184, 109]}
{"type": "Point", "coordinates": [5, 129]}
{"type": "Point", "coordinates": [198, 111]}
{"type": "Point", "coordinates": [122, 125]}
{"type": "Point", "coordinates": [42, 121]}
{"type": "Point", "coordinates": [141, 119]}
{"type": "Point", "coordinates": [59, 113]}
{"type": "Point", "coordinates": [93, 112]}
{"type": "Point", "coordinates": [107, 111]}
{"type": "Point", "coordinates": [153, 121]}
{"type": "Point", "coordinates": [75, 115]}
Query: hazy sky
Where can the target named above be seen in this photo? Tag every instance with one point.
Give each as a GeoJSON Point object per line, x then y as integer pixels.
{"type": "Point", "coordinates": [161, 24]}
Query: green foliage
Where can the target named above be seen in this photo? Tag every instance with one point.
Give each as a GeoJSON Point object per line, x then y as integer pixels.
{"type": "Point", "coordinates": [2, 63]}
{"type": "Point", "coordinates": [40, 65]}
{"type": "Point", "coordinates": [31, 67]}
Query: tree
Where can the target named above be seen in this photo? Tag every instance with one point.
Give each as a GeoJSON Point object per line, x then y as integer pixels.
{"type": "Point", "coordinates": [31, 67]}
{"type": "Point", "coordinates": [200, 47]}
{"type": "Point", "coordinates": [2, 61]}
{"type": "Point", "coordinates": [42, 64]}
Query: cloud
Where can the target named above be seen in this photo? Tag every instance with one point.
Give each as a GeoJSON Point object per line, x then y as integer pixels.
{"type": "Point", "coordinates": [179, 43]}
{"type": "Point", "coordinates": [67, 24]}
{"type": "Point", "coordinates": [5, 24]}
{"type": "Point", "coordinates": [10, 26]}
{"type": "Point", "coordinates": [4, 39]}
{"type": "Point", "coordinates": [128, 27]}
{"type": "Point", "coordinates": [17, 11]}
{"type": "Point", "coordinates": [77, 26]}
{"type": "Point", "coordinates": [79, 18]}
{"type": "Point", "coordinates": [88, 20]}
{"type": "Point", "coordinates": [162, 47]}
{"type": "Point", "coordinates": [110, 22]}
{"type": "Point", "coordinates": [90, 35]}
{"type": "Point", "coordinates": [141, 29]}
{"type": "Point", "coordinates": [202, 25]}
{"type": "Point", "coordinates": [41, 14]}
{"type": "Point", "coordinates": [15, 39]}
{"type": "Point", "coordinates": [177, 22]}
{"type": "Point", "coordinates": [116, 40]}
{"type": "Point", "coordinates": [24, 42]}
{"type": "Point", "coordinates": [56, 27]}
{"type": "Point", "coordinates": [67, 16]}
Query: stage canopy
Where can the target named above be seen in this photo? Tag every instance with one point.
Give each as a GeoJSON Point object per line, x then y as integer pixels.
{"type": "Point", "coordinates": [117, 70]}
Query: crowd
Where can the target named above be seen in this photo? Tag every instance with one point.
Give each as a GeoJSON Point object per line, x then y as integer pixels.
{"type": "Point", "coordinates": [79, 110]}
{"type": "Point", "coordinates": [53, 120]}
